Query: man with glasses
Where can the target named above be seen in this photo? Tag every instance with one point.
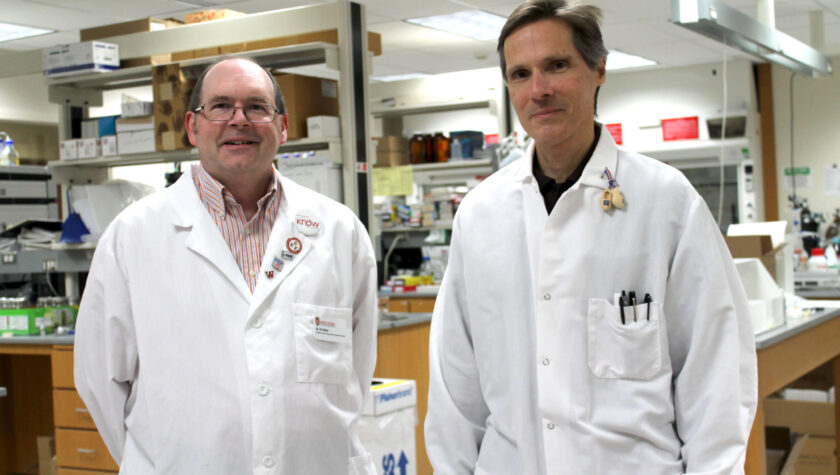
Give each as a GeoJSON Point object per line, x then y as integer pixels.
{"type": "Point", "coordinates": [228, 323]}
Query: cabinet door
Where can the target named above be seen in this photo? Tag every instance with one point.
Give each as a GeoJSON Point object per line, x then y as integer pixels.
{"type": "Point", "coordinates": [62, 368]}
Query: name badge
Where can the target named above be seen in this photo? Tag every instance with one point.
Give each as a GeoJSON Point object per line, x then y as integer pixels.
{"type": "Point", "coordinates": [330, 329]}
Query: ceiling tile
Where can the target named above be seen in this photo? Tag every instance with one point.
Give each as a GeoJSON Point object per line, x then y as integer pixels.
{"type": "Point", "coordinates": [402, 9]}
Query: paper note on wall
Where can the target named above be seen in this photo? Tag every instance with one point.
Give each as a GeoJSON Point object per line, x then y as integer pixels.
{"type": "Point", "coordinates": [832, 180]}
{"type": "Point", "coordinates": [390, 181]}
{"type": "Point", "coordinates": [801, 176]}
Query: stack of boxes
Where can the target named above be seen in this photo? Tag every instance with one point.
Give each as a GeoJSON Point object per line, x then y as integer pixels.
{"type": "Point", "coordinates": [172, 96]}
{"type": "Point", "coordinates": [306, 97]}
{"type": "Point", "coordinates": [391, 151]}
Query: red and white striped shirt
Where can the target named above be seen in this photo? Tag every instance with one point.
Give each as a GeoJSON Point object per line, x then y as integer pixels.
{"type": "Point", "coordinates": [247, 240]}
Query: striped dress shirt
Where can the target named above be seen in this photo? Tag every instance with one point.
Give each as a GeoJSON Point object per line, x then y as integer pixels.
{"type": "Point", "coordinates": [246, 239]}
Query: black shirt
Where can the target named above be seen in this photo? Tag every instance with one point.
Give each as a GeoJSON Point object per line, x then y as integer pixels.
{"type": "Point", "coordinates": [550, 189]}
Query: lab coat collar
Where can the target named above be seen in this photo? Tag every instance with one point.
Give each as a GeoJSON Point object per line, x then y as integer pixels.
{"type": "Point", "coordinates": [204, 238]}
{"type": "Point", "coordinates": [605, 155]}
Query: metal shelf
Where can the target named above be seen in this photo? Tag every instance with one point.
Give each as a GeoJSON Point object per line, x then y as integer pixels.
{"type": "Point", "coordinates": [46, 260]}
{"type": "Point", "coordinates": [398, 111]}
{"type": "Point", "coordinates": [277, 58]}
{"type": "Point", "coordinates": [407, 229]}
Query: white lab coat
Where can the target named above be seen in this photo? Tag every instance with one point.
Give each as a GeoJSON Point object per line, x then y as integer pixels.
{"type": "Point", "coordinates": [185, 371]}
{"type": "Point", "coordinates": [532, 371]}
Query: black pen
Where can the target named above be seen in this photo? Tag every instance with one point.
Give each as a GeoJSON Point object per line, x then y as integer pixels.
{"type": "Point", "coordinates": [632, 296]}
{"type": "Point", "coordinates": [648, 301]}
{"type": "Point", "coordinates": [621, 306]}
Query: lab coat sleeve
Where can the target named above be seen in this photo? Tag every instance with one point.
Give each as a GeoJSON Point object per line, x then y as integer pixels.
{"type": "Point", "coordinates": [456, 415]}
{"type": "Point", "coordinates": [712, 349]}
{"type": "Point", "coordinates": [364, 337]}
{"type": "Point", "coordinates": [105, 344]}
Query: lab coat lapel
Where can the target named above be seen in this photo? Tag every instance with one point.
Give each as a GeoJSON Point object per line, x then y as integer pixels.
{"type": "Point", "coordinates": [282, 240]}
{"type": "Point", "coordinates": [204, 238]}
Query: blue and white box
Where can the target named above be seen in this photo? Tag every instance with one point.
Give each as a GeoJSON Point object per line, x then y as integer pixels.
{"type": "Point", "coordinates": [387, 426]}
{"type": "Point", "coordinates": [80, 58]}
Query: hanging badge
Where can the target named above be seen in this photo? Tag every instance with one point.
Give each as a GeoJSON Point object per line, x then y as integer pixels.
{"type": "Point", "coordinates": [617, 198]}
{"type": "Point", "coordinates": [307, 223]}
{"type": "Point", "coordinates": [277, 264]}
{"type": "Point", "coordinates": [294, 245]}
{"type": "Point", "coordinates": [606, 200]}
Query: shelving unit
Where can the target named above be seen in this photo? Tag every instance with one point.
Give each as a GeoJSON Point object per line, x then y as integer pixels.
{"type": "Point", "coordinates": [46, 260]}
{"type": "Point", "coordinates": [399, 111]}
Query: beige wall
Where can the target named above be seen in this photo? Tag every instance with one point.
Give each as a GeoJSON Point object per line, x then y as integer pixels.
{"type": "Point", "coordinates": [816, 133]}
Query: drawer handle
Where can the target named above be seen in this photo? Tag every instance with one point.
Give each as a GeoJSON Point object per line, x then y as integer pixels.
{"type": "Point", "coordinates": [81, 409]}
{"type": "Point", "coordinates": [86, 451]}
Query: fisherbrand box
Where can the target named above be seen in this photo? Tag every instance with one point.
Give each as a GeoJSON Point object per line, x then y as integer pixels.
{"type": "Point", "coordinates": [80, 58]}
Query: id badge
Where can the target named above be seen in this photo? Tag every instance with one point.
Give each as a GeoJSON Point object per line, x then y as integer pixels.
{"type": "Point", "coordinates": [330, 329]}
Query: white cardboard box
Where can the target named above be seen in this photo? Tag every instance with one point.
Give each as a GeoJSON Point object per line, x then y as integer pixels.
{"type": "Point", "coordinates": [138, 141]}
{"type": "Point", "coordinates": [765, 298]}
{"type": "Point", "coordinates": [136, 108]}
{"type": "Point", "coordinates": [109, 145]}
{"type": "Point", "coordinates": [78, 58]}
{"type": "Point", "coordinates": [323, 126]}
{"type": "Point", "coordinates": [390, 395]}
{"type": "Point", "coordinates": [779, 231]}
{"type": "Point", "coordinates": [133, 124]}
{"type": "Point", "coordinates": [68, 150]}
{"type": "Point", "coordinates": [89, 148]}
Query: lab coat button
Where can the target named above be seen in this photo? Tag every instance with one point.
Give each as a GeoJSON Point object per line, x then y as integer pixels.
{"type": "Point", "coordinates": [268, 461]}
{"type": "Point", "coordinates": [247, 231]}
{"type": "Point", "coordinates": [257, 323]}
{"type": "Point", "coordinates": [263, 389]}
{"type": "Point", "coordinates": [545, 362]}
{"type": "Point", "coordinates": [251, 273]}
{"type": "Point", "coordinates": [547, 296]}
{"type": "Point", "coordinates": [550, 426]}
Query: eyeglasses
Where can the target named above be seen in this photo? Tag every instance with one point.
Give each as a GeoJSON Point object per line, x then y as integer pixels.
{"type": "Point", "coordinates": [224, 111]}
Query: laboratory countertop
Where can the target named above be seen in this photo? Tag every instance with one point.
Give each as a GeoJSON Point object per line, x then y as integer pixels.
{"type": "Point", "coordinates": [794, 326]}
{"type": "Point", "coordinates": [387, 321]}
{"type": "Point", "coordinates": [819, 293]}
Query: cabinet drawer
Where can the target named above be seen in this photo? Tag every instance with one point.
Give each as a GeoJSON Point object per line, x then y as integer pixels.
{"type": "Point", "coordinates": [75, 471]}
{"type": "Point", "coordinates": [70, 411]}
{"type": "Point", "coordinates": [82, 449]}
{"type": "Point", "coordinates": [62, 369]}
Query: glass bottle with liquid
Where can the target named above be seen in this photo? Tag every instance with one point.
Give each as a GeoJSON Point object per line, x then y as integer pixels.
{"type": "Point", "coordinates": [417, 148]}
{"type": "Point", "coordinates": [441, 147]}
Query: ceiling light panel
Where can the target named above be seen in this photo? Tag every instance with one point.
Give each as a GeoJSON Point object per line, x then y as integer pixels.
{"type": "Point", "coordinates": [11, 31]}
{"type": "Point", "coordinates": [474, 24]}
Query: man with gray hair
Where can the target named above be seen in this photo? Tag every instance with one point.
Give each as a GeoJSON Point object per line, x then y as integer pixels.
{"type": "Point", "coordinates": [591, 320]}
{"type": "Point", "coordinates": [228, 323]}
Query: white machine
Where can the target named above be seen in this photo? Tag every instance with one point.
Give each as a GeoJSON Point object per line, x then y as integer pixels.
{"type": "Point", "coordinates": [26, 192]}
{"type": "Point", "coordinates": [314, 170]}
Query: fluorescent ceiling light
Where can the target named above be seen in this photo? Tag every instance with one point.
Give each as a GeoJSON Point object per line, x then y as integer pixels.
{"type": "Point", "coordinates": [398, 77]}
{"type": "Point", "coordinates": [10, 31]}
{"type": "Point", "coordinates": [617, 60]}
{"type": "Point", "coordinates": [475, 24]}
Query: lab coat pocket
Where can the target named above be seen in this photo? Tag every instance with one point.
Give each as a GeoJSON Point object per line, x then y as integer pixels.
{"type": "Point", "coordinates": [623, 351]}
{"type": "Point", "coordinates": [323, 343]}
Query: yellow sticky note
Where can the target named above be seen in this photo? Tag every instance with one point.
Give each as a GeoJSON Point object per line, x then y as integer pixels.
{"type": "Point", "coordinates": [390, 181]}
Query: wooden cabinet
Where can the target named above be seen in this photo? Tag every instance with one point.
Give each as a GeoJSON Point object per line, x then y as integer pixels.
{"type": "Point", "coordinates": [78, 445]}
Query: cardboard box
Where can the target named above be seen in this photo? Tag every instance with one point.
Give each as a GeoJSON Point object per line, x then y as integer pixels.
{"type": "Point", "coordinates": [137, 108]}
{"type": "Point", "coordinates": [811, 455]}
{"type": "Point", "coordinates": [171, 91]}
{"type": "Point", "coordinates": [205, 52]}
{"type": "Point", "coordinates": [765, 298]}
{"type": "Point", "coordinates": [813, 451]}
{"type": "Point", "coordinates": [133, 124]}
{"type": "Point", "coordinates": [68, 149]}
{"type": "Point", "coordinates": [391, 159]}
{"type": "Point", "coordinates": [210, 15]}
{"type": "Point", "coordinates": [745, 240]}
{"type": "Point", "coordinates": [323, 126]}
{"type": "Point", "coordinates": [324, 36]}
{"type": "Point", "coordinates": [125, 28]}
{"type": "Point", "coordinates": [182, 55]}
{"type": "Point", "coordinates": [138, 141]}
{"type": "Point", "coordinates": [109, 145]}
{"type": "Point", "coordinates": [80, 58]}
{"type": "Point", "coordinates": [306, 97]}
{"type": "Point", "coordinates": [234, 48]}
{"type": "Point", "coordinates": [46, 455]}
{"type": "Point", "coordinates": [89, 148]}
{"type": "Point", "coordinates": [389, 395]}
{"type": "Point", "coordinates": [391, 143]}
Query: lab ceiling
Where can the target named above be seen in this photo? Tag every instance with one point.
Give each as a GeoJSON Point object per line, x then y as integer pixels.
{"type": "Point", "coordinates": [639, 27]}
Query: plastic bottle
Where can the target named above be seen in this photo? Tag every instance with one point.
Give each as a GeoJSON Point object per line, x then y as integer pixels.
{"type": "Point", "coordinates": [455, 150]}
{"type": "Point", "coordinates": [10, 153]}
{"type": "Point", "coordinates": [830, 257]}
{"type": "Point", "coordinates": [4, 159]}
{"type": "Point", "coordinates": [817, 261]}
{"type": "Point", "coordinates": [426, 271]}
{"type": "Point", "coordinates": [798, 261]}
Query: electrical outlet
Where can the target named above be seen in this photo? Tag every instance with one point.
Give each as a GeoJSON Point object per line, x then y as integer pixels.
{"type": "Point", "coordinates": [9, 258]}
{"type": "Point", "coordinates": [50, 264]}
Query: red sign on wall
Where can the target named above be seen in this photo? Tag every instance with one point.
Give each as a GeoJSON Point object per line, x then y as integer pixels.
{"type": "Point", "coordinates": [680, 129]}
{"type": "Point", "coordinates": [615, 131]}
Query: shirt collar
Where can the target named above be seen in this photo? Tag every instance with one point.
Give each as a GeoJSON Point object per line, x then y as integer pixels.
{"type": "Point", "coordinates": [217, 197]}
